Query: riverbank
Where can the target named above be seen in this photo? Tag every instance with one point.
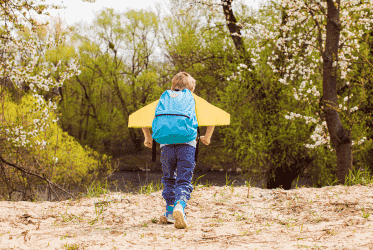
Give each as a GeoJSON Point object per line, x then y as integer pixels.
{"type": "Point", "coordinates": [137, 182]}
{"type": "Point", "coordinates": [124, 180]}
{"type": "Point", "coordinates": [226, 217]}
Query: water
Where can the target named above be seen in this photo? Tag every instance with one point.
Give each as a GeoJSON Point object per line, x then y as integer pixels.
{"type": "Point", "coordinates": [141, 178]}
{"type": "Point", "coordinates": [131, 181]}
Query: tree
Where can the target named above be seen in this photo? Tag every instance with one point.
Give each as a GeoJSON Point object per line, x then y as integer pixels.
{"type": "Point", "coordinates": [289, 59]}
{"type": "Point", "coordinates": [362, 74]}
{"type": "Point", "coordinates": [20, 60]}
{"type": "Point", "coordinates": [197, 40]}
{"type": "Point", "coordinates": [251, 98]}
{"type": "Point", "coordinates": [328, 31]}
{"type": "Point", "coordinates": [20, 67]}
{"type": "Point", "coordinates": [119, 77]}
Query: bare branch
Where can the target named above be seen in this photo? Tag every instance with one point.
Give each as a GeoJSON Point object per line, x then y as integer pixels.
{"type": "Point", "coordinates": [36, 175]}
{"type": "Point", "coordinates": [319, 37]}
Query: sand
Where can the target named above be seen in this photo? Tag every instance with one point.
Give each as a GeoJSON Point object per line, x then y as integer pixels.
{"type": "Point", "coordinates": [218, 218]}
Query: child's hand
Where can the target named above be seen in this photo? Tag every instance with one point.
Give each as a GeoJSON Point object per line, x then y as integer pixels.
{"type": "Point", "coordinates": [148, 143]}
{"type": "Point", "coordinates": [205, 140]}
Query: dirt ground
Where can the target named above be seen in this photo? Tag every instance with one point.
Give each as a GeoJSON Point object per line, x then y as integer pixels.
{"type": "Point", "coordinates": [218, 218]}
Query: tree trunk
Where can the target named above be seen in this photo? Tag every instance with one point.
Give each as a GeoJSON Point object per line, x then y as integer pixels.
{"type": "Point", "coordinates": [233, 28]}
{"type": "Point", "coordinates": [278, 174]}
{"type": "Point", "coordinates": [81, 125]}
{"type": "Point", "coordinates": [86, 123]}
{"type": "Point", "coordinates": [135, 137]}
{"type": "Point", "coordinates": [340, 138]}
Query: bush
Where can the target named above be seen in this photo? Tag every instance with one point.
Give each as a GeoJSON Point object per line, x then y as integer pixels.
{"type": "Point", "coordinates": [62, 160]}
{"type": "Point", "coordinates": [263, 139]}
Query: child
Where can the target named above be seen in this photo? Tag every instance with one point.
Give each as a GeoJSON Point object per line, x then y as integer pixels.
{"type": "Point", "coordinates": [179, 160]}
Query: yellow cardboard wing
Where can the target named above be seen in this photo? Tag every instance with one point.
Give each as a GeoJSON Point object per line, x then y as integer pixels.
{"type": "Point", "coordinates": [207, 115]}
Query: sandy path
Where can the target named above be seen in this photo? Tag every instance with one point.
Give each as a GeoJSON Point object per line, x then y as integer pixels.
{"type": "Point", "coordinates": [218, 218]}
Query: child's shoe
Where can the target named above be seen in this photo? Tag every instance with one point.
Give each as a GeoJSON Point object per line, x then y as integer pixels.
{"type": "Point", "coordinates": [168, 217]}
{"type": "Point", "coordinates": [179, 215]}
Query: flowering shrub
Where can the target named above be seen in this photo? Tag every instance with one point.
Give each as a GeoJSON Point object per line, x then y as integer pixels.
{"type": "Point", "coordinates": [299, 33]}
{"type": "Point", "coordinates": [285, 42]}
{"type": "Point", "coordinates": [63, 160]}
{"type": "Point", "coordinates": [32, 143]}
{"type": "Point", "coordinates": [13, 67]}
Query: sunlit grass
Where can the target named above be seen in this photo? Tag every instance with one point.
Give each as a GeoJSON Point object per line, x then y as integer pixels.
{"type": "Point", "coordinates": [97, 189]}
{"type": "Point", "coordinates": [151, 188]}
{"type": "Point", "coordinates": [354, 178]}
{"type": "Point", "coordinates": [359, 176]}
{"type": "Point", "coordinates": [362, 177]}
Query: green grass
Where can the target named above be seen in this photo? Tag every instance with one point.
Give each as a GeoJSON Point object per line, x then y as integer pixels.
{"type": "Point", "coordinates": [359, 177]}
{"type": "Point", "coordinates": [356, 177]}
{"type": "Point", "coordinates": [154, 220]}
{"type": "Point", "coordinates": [362, 177]}
{"type": "Point", "coordinates": [99, 208]}
{"type": "Point", "coordinates": [71, 246]}
{"type": "Point", "coordinates": [226, 180]}
{"type": "Point", "coordinates": [195, 184]}
{"type": "Point", "coordinates": [97, 189]}
{"type": "Point", "coordinates": [151, 188]}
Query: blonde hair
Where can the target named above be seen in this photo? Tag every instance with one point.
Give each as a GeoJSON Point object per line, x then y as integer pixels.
{"type": "Point", "coordinates": [183, 80]}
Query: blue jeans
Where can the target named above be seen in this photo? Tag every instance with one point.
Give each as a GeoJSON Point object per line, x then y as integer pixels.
{"type": "Point", "coordinates": [178, 162]}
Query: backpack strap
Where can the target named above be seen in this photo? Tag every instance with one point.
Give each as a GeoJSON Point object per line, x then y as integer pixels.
{"type": "Point", "coordinates": [197, 144]}
{"type": "Point", "coordinates": [154, 152]}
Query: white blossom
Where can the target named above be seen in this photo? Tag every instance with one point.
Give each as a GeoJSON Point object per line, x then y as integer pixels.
{"type": "Point", "coordinates": [353, 14]}
{"type": "Point", "coordinates": [10, 66]}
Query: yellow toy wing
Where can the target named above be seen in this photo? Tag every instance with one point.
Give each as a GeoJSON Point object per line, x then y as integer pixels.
{"type": "Point", "coordinates": [207, 115]}
{"type": "Point", "coordinates": [143, 117]}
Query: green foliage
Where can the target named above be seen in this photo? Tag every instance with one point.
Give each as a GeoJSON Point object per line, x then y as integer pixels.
{"type": "Point", "coordinates": [206, 51]}
{"type": "Point", "coordinates": [74, 162]}
{"type": "Point", "coordinates": [362, 81]}
{"type": "Point", "coordinates": [141, 19]}
{"type": "Point", "coordinates": [63, 160]}
{"type": "Point", "coordinates": [117, 79]}
{"type": "Point", "coordinates": [146, 82]}
{"type": "Point", "coordinates": [120, 75]}
{"type": "Point", "coordinates": [97, 189]}
{"type": "Point", "coordinates": [323, 169]}
{"type": "Point", "coordinates": [150, 188]}
{"type": "Point", "coordinates": [259, 135]}
{"type": "Point", "coordinates": [63, 53]}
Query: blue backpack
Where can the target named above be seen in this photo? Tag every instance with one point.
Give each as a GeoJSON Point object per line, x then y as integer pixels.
{"type": "Point", "coordinates": [175, 119]}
